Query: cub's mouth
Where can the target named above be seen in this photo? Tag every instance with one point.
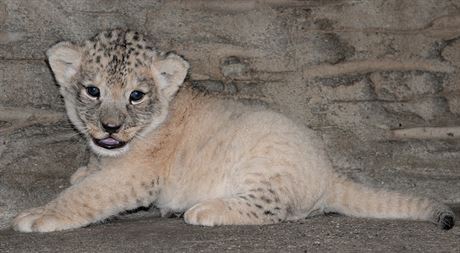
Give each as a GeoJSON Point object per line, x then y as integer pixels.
{"type": "Point", "coordinates": [109, 143]}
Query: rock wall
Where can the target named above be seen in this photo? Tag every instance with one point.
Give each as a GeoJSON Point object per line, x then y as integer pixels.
{"type": "Point", "coordinates": [379, 80]}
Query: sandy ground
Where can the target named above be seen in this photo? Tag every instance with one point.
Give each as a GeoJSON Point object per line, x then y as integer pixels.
{"type": "Point", "coordinates": [330, 233]}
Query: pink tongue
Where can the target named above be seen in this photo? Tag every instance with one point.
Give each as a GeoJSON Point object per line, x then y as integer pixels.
{"type": "Point", "coordinates": [110, 141]}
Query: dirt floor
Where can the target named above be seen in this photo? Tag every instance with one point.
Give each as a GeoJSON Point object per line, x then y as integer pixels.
{"type": "Point", "coordinates": [332, 233]}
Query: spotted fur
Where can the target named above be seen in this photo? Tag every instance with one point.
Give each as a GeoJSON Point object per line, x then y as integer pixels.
{"type": "Point", "coordinates": [219, 161]}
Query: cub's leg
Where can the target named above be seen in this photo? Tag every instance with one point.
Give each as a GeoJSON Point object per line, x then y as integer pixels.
{"type": "Point", "coordinates": [98, 196]}
{"type": "Point", "coordinates": [260, 206]}
{"type": "Point", "coordinates": [84, 171]}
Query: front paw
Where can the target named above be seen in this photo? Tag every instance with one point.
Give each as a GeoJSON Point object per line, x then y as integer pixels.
{"type": "Point", "coordinates": [39, 220]}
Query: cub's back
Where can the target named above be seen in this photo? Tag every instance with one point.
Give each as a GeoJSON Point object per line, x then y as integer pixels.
{"type": "Point", "coordinates": [222, 140]}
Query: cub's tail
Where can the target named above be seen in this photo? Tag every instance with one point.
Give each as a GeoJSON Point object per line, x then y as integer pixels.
{"type": "Point", "coordinates": [353, 199]}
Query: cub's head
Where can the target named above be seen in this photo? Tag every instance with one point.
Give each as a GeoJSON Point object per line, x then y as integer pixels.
{"type": "Point", "coordinates": [115, 88]}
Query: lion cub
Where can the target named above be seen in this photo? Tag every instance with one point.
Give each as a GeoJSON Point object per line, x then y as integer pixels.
{"type": "Point", "coordinates": [219, 161]}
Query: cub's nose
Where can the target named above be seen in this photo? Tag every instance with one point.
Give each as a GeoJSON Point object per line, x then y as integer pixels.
{"type": "Point", "coordinates": [111, 128]}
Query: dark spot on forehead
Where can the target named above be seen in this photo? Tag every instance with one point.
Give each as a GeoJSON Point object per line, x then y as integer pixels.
{"type": "Point", "coordinates": [121, 51]}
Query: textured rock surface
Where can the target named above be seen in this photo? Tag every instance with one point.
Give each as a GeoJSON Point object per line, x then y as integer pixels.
{"type": "Point", "coordinates": [353, 70]}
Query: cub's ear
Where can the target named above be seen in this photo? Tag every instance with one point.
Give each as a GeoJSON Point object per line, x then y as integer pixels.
{"type": "Point", "coordinates": [170, 72]}
{"type": "Point", "coordinates": [64, 59]}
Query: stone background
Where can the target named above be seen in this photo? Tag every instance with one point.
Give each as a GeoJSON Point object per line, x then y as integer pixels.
{"type": "Point", "coordinates": [379, 80]}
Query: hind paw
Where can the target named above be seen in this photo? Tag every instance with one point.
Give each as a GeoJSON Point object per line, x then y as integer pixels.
{"type": "Point", "coordinates": [205, 214]}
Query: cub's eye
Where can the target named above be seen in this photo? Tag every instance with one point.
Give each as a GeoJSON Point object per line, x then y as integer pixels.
{"type": "Point", "coordinates": [136, 96]}
{"type": "Point", "coordinates": [93, 91]}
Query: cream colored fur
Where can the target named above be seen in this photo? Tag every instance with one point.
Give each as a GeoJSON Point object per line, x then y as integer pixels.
{"type": "Point", "coordinates": [220, 162]}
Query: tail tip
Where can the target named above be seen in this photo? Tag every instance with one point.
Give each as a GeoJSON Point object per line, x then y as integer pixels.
{"type": "Point", "coordinates": [446, 220]}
